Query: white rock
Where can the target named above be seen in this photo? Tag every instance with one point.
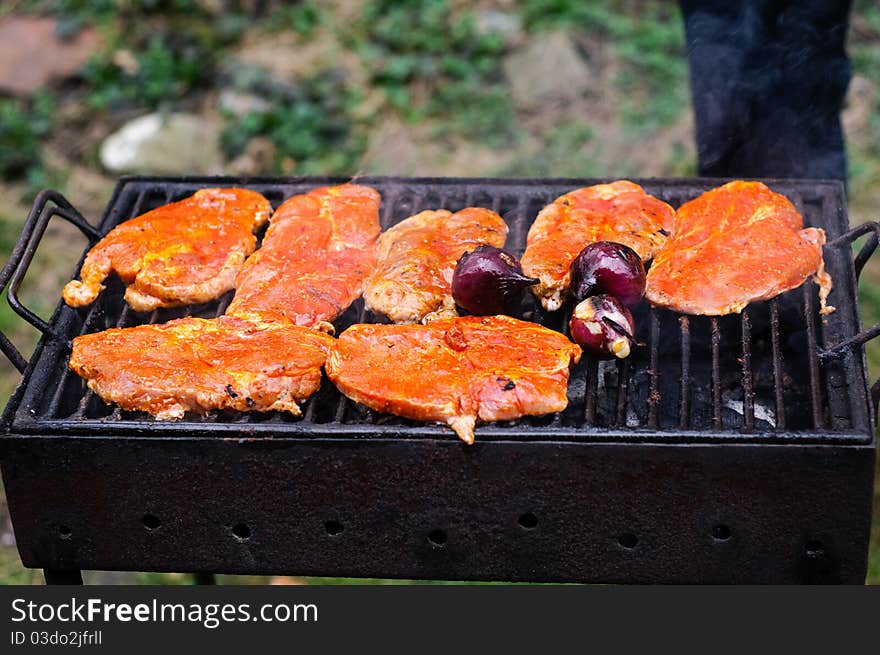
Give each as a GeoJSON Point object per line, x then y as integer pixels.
{"type": "Point", "coordinates": [173, 144]}
{"type": "Point", "coordinates": [239, 103]}
{"type": "Point", "coordinates": [504, 24]}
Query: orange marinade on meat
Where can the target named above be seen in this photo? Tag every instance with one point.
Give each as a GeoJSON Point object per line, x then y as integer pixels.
{"type": "Point", "coordinates": [455, 370]}
{"type": "Point", "coordinates": [416, 259]}
{"type": "Point", "coordinates": [620, 211]}
{"type": "Point", "coordinates": [194, 364]}
{"type": "Point", "coordinates": [735, 244]}
{"type": "Point", "coordinates": [315, 256]}
{"type": "Point", "coordinates": [182, 253]}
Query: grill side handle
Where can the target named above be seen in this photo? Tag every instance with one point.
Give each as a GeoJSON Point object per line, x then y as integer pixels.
{"type": "Point", "coordinates": [47, 204]}
{"type": "Point", "coordinates": [871, 229]}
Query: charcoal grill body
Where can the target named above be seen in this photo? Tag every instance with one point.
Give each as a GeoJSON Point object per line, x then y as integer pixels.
{"type": "Point", "coordinates": [727, 450]}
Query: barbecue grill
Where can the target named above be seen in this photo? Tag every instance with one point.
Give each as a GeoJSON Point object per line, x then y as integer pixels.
{"type": "Point", "coordinates": [732, 449]}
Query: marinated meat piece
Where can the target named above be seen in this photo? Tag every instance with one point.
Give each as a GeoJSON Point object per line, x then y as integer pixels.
{"type": "Point", "coordinates": [733, 245]}
{"type": "Point", "coordinates": [315, 256]}
{"type": "Point", "coordinates": [181, 253]}
{"type": "Point", "coordinates": [194, 364]}
{"type": "Point", "coordinates": [620, 211]}
{"type": "Point", "coordinates": [417, 257]}
{"type": "Point", "coordinates": [455, 370]}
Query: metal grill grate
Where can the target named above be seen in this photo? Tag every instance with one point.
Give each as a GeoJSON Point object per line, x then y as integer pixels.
{"type": "Point", "coordinates": [754, 375]}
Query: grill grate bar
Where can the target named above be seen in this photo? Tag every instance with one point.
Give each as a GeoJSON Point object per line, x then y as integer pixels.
{"type": "Point", "coordinates": [591, 391]}
{"type": "Point", "coordinates": [311, 408]}
{"type": "Point", "coordinates": [684, 414]}
{"type": "Point", "coordinates": [747, 378]}
{"type": "Point", "coordinates": [124, 318]}
{"type": "Point", "coordinates": [681, 383]}
{"type": "Point", "coordinates": [385, 218]}
{"type": "Point", "coordinates": [654, 371]}
{"type": "Point", "coordinates": [214, 416]}
{"type": "Point", "coordinates": [812, 356]}
{"type": "Point", "coordinates": [622, 390]}
{"type": "Point", "coordinates": [776, 352]}
{"type": "Point", "coordinates": [90, 395]}
{"type": "Point", "coordinates": [716, 373]}
{"type": "Point", "coordinates": [55, 402]}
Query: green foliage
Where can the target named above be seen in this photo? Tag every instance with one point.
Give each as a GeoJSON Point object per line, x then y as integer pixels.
{"type": "Point", "coordinates": [311, 127]}
{"type": "Point", "coordinates": [22, 125]}
{"type": "Point", "coordinates": [301, 17]}
{"type": "Point", "coordinates": [652, 46]}
{"type": "Point", "coordinates": [864, 49]}
{"type": "Point", "coordinates": [433, 62]}
{"type": "Point", "coordinates": [95, 9]}
{"type": "Point", "coordinates": [539, 14]}
{"type": "Point", "coordinates": [160, 75]}
{"type": "Point", "coordinates": [568, 150]}
{"type": "Point", "coordinates": [649, 42]}
{"type": "Point", "coordinates": [476, 112]}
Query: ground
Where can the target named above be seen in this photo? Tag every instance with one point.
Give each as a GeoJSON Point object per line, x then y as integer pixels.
{"type": "Point", "coordinates": [494, 87]}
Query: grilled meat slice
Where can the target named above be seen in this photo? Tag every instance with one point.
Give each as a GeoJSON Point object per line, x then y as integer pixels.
{"type": "Point", "coordinates": [194, 364]}
{"type": "Point", "coordinates": [455, 370]}
{"type": "Point", "coordinates": [417, 257]}
{"type": "Point", "coordinates": [181, 253]}
{"type": "Point", "coordinates": [620, 211]}
{"type": "Point", "coordinates": [315, 256]}
{"type": "Point", "coordinates": [732, 245]}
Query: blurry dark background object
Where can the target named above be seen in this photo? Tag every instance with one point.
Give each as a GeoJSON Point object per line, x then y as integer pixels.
{"type": "Point", "coordinates": [768, 81]}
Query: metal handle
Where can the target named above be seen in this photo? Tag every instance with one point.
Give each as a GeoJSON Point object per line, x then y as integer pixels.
{"type": "Point", "coordinates": [871, 228]}
{"type": "Point", "coordinates": [23, 253]}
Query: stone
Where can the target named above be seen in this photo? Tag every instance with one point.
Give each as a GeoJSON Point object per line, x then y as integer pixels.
{"type": "Point", "coordinates": [173, 144]}
{"type": "Point", "coordinates": [241, 103]}
{"type": "Point", "coordinates": [32, 55]}
{"type": "Point", "coordinates": [548, 69]}
{"type": "Point", "coordinates": [397, 148]}
{"type": "Point", "coordinates": [507, 25]}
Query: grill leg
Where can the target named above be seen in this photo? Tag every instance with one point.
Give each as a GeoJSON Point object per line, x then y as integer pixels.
{"type": "Point", "coordinates": [56, 577]}
{"type": "Point", "coordinates": [204, 578]}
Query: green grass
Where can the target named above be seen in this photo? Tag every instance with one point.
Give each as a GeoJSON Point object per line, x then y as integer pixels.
{"type": "Point", "coordinates": [568, 149]}
{"type": "Point", "coordinates": [311, 125]}
{"type": "Point", "coordinates": [23, 125]}
{"type": "Point", "coordinates": [432, 62]}
{"type": "Point", "coordinates": [648, 39]}
{"type": "Point", "coordinates": [159, 76]}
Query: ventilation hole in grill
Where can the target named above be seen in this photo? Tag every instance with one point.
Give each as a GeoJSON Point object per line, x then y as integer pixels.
{"type": "Point", "coordinates": [721, 532]}
{"type": "Point", "coordinates": [151, 521]}
{"type": "Point", "coordinates": [64, 531]}
{"type": "Point", "coordinates": [333, 528]}
{"type": "Point", "coordinates": [437, 538]}
{"type": "Point", "coordinates": [528, 521]}
{"type": "Point", "coordinates": [628, 540]}
{"type": "Point", "coordinates": [241, 531]}
{"type": "Point", "coordinates": [814, 549]}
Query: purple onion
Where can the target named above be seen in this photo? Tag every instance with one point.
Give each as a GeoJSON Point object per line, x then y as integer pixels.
{"type": "Point", "coordinates": [608, 267]}
{"type": "Point", "coordinates": [603, 327]}
{"type": "Point", "coordinates": [487, 281]}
